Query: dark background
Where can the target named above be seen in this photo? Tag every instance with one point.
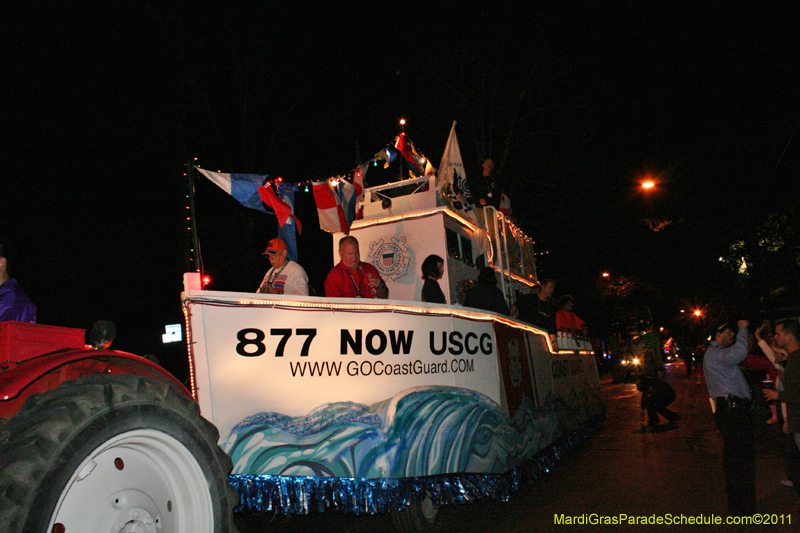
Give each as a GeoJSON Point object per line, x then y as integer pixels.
{"type": "Point", "coordinates": [103, 105]}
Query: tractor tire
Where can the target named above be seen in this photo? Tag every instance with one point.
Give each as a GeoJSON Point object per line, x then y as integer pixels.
{"type": "Point", "coordinates": [113, 453]}
{"type": "Point", "coordinates": [417, 517]}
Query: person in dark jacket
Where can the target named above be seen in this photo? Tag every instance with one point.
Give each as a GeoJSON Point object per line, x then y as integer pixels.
{"type": "Point", "coordinates": [538, 309]}
{"type": "Point", "coordinates": [657, 394]}
{"type": "Point", "coordinates": [485, 295]}
{"type": "Point", "coordinates": [432, 271]}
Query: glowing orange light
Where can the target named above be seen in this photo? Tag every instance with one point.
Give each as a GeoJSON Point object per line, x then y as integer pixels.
{"type": "Point", "coordinates": [606, 274]}
{"type": "Point", "coordinates": [402, 122]}
{"type": "Point", "coordinates": [698, 312]}
{"type": "Point", "coordinates": [648, 185]}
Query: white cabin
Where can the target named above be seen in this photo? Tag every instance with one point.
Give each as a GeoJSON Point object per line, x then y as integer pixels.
{"type": "Point", "coordinates": [405, 221]}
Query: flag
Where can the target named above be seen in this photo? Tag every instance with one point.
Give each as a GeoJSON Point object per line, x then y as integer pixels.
{"type": "Point", "coordinates": [387, 154]}
{"type": "Point", "coordinates": [243, 187]}
{"type": "Point", "coordinates": [405, 149]}
{"type": "Point", "coordinates": [288, 232]}
{"type": "Point", "coordinates": [453, 180]}
{"type": "Point", "coordinates": [360, 180]}
{"type": "Point", "coordinates": [422, 162]}
{"type": "Point", "coordinates": [336, 205]}
{"type": "Point", "coordinates": [282, 210]}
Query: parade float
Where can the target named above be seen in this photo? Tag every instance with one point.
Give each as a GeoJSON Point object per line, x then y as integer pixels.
{"type": "Point", "coordinates": [369, 406]}
{"type": "Point", "coordinates": [301, 404]}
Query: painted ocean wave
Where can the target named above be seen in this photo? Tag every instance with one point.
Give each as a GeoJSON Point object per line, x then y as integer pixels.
{"type": "Point", "coordinates": [419, 432]}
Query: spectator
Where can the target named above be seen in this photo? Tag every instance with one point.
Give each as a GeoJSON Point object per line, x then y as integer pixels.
{"type": "Point", "coordinates": [657, 394]}
{"type": "Point", "coordinates": [787, 337]}
{"type": "Point", "coordinates": [14, 303]}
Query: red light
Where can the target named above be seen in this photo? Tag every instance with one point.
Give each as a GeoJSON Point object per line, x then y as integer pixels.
{"type": "Point", "coordinates": [206, 280]}
{"type": "Point", "coordinates": [279, 180]}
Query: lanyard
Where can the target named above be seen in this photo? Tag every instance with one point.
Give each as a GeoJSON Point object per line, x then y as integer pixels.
{"type": "Point", "coordinates": [353, 281]}
{"type": "Point", "coordinates": [275, 274]}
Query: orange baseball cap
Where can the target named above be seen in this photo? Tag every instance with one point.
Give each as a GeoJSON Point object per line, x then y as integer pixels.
{"type": "Point", "coordinates": [274, 246]}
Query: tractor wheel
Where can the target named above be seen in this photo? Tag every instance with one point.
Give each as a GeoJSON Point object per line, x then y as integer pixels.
{"type": "Point", "coordinates": [417, 517]}
{"type": "Point", "coordinates": [113, 453]}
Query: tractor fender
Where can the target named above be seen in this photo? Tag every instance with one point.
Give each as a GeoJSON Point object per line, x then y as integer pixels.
{"type": "Point", "coordinates": [47, 372]}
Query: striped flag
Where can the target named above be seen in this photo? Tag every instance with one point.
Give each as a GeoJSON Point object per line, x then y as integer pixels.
{"type": "Point", "coordinates": [243, 187]}
{"type": "Point", "coordinates": [336, 204]}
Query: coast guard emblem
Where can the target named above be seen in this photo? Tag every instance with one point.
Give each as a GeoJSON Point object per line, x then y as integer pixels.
{"type": "Point", "coordinates": [389, 258]}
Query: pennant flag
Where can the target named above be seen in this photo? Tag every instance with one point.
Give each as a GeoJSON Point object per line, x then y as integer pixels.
{"type": "Point", "coordinates": [348, 194]}
{"type": "Point", "coordinates": [405, 149]}
{"type": "Point", "coordinates": [336, 205]}
{"type": "Point", "coordinates": [243, 187]}
{"type": "Point", "coordinates": [422, 162]}
{"type": "Point", "coordinates": [387, 154]}
{"type": "Point", "coordinates": [360, 180]}
{"type": "Point", "coordinates": [282, 211]}
{"type": "Point", "coordinates": [288, 232]}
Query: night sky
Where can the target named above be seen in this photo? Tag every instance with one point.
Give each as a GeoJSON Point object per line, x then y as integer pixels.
{"type": "Point", "coordinates": [102, 106]}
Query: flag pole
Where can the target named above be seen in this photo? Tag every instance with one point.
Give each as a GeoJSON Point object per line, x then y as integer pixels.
{"type": "Point", "coordinates": [198, 257]}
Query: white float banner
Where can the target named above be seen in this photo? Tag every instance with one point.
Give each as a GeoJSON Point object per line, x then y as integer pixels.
{"type": "Point", "coordinates": [290, 360]}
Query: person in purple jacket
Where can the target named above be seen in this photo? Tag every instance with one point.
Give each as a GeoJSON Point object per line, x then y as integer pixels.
{"type": "Point", "coordinates": [14, 303]}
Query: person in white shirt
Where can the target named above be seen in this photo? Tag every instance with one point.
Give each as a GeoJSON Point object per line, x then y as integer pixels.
{"type": "Point", "coordinates": [285, 276]}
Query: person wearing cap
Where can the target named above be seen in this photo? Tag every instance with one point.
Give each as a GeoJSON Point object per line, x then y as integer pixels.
{"type": "Point", "coordinates": [285, 276]}
{"type": "Point", "coordinates": [733, 412]}
{"type": "Point", "coordinates": [351, 278]}
{"type": "Point", "coordinates": [14, 303]}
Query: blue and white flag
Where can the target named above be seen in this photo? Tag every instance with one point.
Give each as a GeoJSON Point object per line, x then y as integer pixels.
{"type": "Point", "coordinates": [288, 232]}
{"type": "Point", "coordinates": [243, 187]}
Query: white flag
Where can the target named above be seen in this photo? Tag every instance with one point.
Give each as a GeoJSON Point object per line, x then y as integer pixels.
{"type": "Point", "coordinates": [453, 181]}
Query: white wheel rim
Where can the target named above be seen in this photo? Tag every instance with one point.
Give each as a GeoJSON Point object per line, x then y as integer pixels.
{"type": "Point", "coordinates": [157, 487]}
{"type": "Point", "coordinates": [428, 509]}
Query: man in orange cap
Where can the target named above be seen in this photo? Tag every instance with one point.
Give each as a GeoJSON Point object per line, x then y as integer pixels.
{"type": "Point", "coordinates": [285, 276]}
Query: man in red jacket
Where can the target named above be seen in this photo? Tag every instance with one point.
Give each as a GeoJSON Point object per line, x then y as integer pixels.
{"type": "Point", "coordinates": [351, 278]}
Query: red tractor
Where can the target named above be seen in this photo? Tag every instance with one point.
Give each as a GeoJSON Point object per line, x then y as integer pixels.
{"type": "Point", "coordinates": [93, 439]}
